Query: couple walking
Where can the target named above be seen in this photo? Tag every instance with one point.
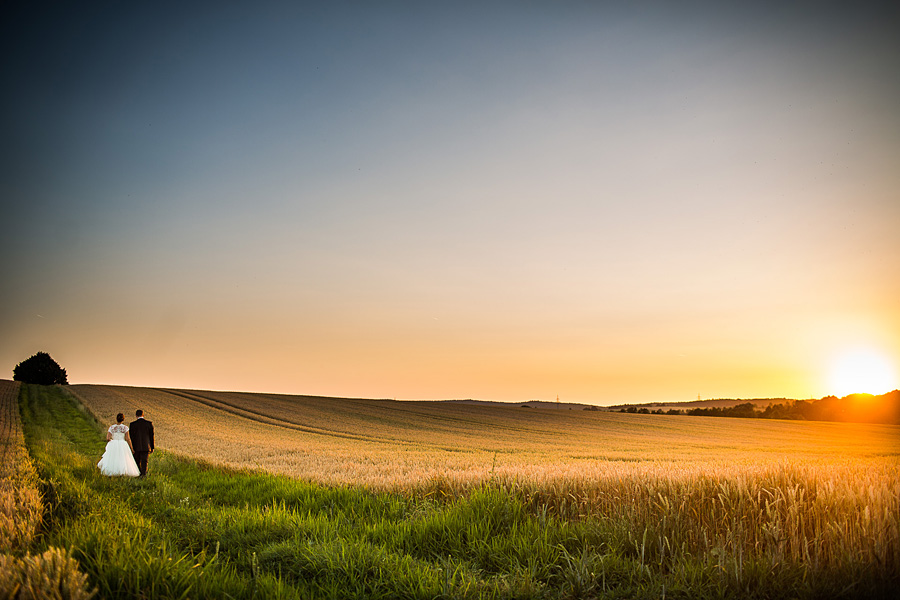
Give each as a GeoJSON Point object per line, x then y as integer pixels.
{"type": "Point", "coordinates": [128, 447]}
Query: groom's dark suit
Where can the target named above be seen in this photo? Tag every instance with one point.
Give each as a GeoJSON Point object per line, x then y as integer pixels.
{"type": "Point", "coordinates": [141, 432]}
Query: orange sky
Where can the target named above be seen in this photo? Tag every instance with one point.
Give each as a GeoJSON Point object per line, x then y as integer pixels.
{"type": "Point", "coordinates": [608, 205]}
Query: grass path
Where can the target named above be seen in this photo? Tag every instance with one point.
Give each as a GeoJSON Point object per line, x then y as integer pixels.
{"type": "Point", "coordinates": [191, 530]}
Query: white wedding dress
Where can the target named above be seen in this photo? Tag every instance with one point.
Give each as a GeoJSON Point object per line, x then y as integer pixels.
{"type": "Point", "coordinates": [118, 460]}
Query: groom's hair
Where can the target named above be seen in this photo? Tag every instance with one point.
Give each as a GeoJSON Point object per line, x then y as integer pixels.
{"type": "Point", "coordinates": [138, 413]}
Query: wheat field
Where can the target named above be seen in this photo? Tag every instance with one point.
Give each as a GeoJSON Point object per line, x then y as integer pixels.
{"type": "Point", "coordinates": [20, 505]}
{"type": "Point", "coordinates": [755, 500]}
{"type": "Point", "coordinates": [391, 445]}
{"type": "Point", "coordinates": [803, 491]}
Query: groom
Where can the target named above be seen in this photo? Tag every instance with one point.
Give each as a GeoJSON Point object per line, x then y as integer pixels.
{"type": "Point", "coordinates": [141, 431]}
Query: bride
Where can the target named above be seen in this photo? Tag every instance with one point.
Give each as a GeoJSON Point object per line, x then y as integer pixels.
{"type": "Point", "coordinates": [118, 458]}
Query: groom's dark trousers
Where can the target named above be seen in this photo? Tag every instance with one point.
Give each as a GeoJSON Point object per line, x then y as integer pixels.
{"type": "Point", "coordinates": [141, 433]}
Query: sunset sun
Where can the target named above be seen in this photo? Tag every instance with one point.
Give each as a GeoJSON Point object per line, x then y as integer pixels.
{"type": "Point", "coordinates": [862, 372]}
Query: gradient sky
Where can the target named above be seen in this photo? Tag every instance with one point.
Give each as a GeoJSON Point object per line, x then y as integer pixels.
{"type": "Point", "coordinates": [608, 202]}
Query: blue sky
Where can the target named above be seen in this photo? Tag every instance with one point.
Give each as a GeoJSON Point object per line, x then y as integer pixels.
{"type": "Point", "coordinates": [606, 201]}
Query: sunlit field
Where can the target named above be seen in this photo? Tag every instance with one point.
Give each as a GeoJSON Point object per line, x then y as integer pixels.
{"type": "Point", "coordinates": [258, 496]}
{"type": "Point", "coordinates": [390, 445]}
{"type": "Point", "coordinates": [803, 492]}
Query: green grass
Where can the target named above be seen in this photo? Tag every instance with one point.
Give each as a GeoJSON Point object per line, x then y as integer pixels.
{"type": "Point", "coordinates": [190, 530]}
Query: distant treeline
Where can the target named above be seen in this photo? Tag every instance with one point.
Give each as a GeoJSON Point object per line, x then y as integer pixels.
{"type": "Point", "coordinates": [855, 408]}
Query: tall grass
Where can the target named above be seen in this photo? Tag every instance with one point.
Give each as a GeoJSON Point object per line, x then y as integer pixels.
{"type": "Point", "coordinates": [786, 530]}
{"type": "Point", "coordinates": [789, 513]}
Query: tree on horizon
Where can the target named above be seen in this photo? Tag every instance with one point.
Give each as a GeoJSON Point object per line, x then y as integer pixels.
{"type": "Point", "coordinates": [40, 369]}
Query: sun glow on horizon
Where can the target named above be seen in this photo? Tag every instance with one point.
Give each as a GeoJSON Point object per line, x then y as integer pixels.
{"type": "Point", "coordinates": [862, 371]}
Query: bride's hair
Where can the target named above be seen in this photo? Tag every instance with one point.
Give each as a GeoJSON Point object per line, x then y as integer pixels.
{"type": "Point", "coordinates": [120, 417]}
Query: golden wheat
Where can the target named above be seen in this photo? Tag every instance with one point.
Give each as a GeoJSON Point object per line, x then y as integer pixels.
{"type": "Point", "coordinates": [52, 575]}
{"type": "Point", "coordinates": [20, 502]}
{"type": "Point", "coordinates": [404, 445]}
{"type": "Point", "coordinates": [807, 492]}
